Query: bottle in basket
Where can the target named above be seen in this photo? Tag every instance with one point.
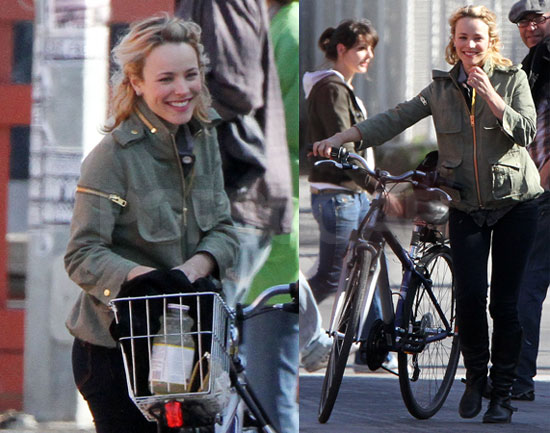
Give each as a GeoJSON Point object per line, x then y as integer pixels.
{"type": "Point", "coordinates": [173, 352]}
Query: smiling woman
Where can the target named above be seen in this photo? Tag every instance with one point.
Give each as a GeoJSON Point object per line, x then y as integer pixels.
{"type": "Point", "coordinates": [170, 82]}
{"type": "Point", "coordinates": [150, 204]}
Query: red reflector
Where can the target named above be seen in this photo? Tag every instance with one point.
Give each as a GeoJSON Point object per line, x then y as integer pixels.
{"type": "Point", "coordinates": [174, 417]}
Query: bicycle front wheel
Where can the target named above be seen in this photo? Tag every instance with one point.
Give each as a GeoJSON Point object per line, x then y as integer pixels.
{"type": "Point", "coordinates": [345, 330]}
{"type": "Point", "coordinates": [426, 376]}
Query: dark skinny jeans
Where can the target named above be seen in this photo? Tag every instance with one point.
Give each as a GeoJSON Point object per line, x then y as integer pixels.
{"type": "Point", "coordinates": [510, 240]}
{"type": "Point", "coordinates": [100, 378]}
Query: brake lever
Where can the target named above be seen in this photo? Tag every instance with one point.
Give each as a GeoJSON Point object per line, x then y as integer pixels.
{"type": "Point", "coordinates": [415, 183]}
{"type": "Point", "coordinates": [447, 196]}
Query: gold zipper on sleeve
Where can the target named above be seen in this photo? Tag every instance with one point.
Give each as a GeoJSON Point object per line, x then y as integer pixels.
{"type": "Point", "coordinates": [115, 198]}
{"type": "Point", "coordinates": [473, 125]}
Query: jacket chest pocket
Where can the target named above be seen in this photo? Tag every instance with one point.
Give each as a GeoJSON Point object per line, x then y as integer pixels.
{"type": "Point", "coordinates": [157, 222]}
{"type": "Point", "coordinates": [507, 176]}
{"type": "Point", "coordinates": [204, 203]}
{"type": "Point", "coordinates": [447, 121]}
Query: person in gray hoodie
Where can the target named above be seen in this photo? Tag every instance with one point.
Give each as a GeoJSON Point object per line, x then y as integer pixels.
{"type": "Point", "coordinates": [338, 202]}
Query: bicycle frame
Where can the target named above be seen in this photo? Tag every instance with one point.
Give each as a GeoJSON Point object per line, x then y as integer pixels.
{"type": "Point", "coordinates": [419, 316]}
{"type": "Point", "coordinates": [373, 234]}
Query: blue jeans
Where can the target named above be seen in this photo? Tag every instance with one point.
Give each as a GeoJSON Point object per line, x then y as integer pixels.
{"type": "Point", "coordinates": [532, 294]}
{"type": "Point", "coordinates": [337, 214]}
{"type": "Point", "coordinates": [270, 348]}
{"type": "Point", "coordinates": [310, 317]}
{"type": "Point", "coordinates": [254, 249]}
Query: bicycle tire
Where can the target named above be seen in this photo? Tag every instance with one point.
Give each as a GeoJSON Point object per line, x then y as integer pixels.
{"type": "Point", "coordinates": [426, 378]}
{"type": "Point", "coordinates": [347, 321]}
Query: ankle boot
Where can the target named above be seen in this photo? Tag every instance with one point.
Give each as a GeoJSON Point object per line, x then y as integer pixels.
{"type": "Point", "coordinates": [470, 403]}
{"type": "Point", "coordinates": [476, 357]}
{"type": "Point", "coordinates": [505, 355]}
{"type": "Point", "coordinates": [499, 411]}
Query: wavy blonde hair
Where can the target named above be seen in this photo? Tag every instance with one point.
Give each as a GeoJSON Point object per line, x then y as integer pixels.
{"type": "Point", "coordinates": [130, 53]}
{"type": "Point", "coordinates": [489, 18]}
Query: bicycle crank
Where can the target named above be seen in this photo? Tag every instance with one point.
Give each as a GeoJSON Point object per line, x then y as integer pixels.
{"type": "Point", "coordinates": [374, 351]}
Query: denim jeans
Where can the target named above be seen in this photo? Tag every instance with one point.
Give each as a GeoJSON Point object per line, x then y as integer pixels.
{"type": "Point", "coordinates": [337, 215]}
{"type": "Point", "coordinates": [254, 249]}
{"type": "Point", "coordinates": [532, 294]}
{"type": "Point", "coordinates": [310, 317]}
{"type": "Point", "coordinates": [510, 240]}
{"type": "Point", "coordinates": [270, 348]}
{"type": "Point", "coordinates": [99, 376]}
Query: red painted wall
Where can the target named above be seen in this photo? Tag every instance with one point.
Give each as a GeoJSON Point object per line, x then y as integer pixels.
{"type": "Point", "coordinates": [15, 109]}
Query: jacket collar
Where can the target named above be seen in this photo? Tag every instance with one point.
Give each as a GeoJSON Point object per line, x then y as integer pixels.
{"type": "Point", "coordinates": [143, 121]}
{"type": "Point", "coordinates": [489, 67]}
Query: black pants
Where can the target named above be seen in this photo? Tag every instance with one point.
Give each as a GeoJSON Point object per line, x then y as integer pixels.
{"type": "Point", "coordinates": [100, 378]}
{"type": "Point", "coordinates": [510, 240]}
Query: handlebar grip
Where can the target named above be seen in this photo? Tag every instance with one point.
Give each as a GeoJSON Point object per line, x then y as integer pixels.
{"type": "Point", "coordinates": [293, 290]}
{"type": "Point", "coordinates": [339, 154]}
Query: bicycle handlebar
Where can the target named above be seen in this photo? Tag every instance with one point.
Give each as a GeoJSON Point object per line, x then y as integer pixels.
{"type": "Point", "coordinates": [426, 181]}
{"type": "Point", "coordinates": [266, 295]}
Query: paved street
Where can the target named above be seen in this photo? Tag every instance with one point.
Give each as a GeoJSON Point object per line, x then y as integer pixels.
{"type": "Point", "coordinates": [371, 402]}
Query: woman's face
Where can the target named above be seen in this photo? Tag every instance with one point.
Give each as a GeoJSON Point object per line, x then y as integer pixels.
{"type": "Point", "coordinates": [171, 82]}
{"type": "Point", "coordinates": [471, 41]}
{"type": "Point", "coordinates": [356, 59]}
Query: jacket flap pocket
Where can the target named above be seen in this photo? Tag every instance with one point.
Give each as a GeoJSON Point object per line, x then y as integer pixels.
{"type": "Point", "coordinates": [511, 159]}
{"type": "Point", "coordinates": [448, 122]}
{"type": "Point", "coordinates": [158, 223]}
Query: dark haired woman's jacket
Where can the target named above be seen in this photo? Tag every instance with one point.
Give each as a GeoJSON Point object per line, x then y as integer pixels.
{"type": "Point", "coordinates": [486, 156]}
{"type": "Point", "coordinates": [331, 108]}
{"type": "Point", "coordinates": [134, 207]}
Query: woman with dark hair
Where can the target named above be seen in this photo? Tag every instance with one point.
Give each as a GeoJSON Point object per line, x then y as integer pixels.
{"type": "Point", "coordinates": [337, 201]}
{"type": "Point", "coordinates": [484, 117]}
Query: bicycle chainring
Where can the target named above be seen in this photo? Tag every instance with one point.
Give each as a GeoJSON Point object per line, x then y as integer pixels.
{"type": "Point", "coordinates": [375, 350]}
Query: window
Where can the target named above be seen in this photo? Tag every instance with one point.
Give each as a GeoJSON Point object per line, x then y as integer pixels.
{"type": "Point", "coordinates": [22, 52]}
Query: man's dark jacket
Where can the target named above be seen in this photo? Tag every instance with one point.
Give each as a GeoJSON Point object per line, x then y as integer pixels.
{"type": "Point", "coordinates": [245, 89]}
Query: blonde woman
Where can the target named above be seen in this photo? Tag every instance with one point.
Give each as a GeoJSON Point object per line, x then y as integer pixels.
{"type": "Point", "coordinates": [484, 118]}
{"type": "Point", "coordinates": [150, 203]}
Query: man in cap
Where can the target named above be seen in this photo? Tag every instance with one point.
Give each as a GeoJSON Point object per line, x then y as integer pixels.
{"type": "Point", "coordinates": [533, 20]}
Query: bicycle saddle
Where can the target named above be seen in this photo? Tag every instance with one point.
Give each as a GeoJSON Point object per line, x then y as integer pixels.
{"type": "Point", "coordinates": [432, 212]}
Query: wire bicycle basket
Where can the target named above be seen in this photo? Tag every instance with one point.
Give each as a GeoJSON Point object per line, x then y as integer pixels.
{"type": "Point", "coordinates": [176, 347]}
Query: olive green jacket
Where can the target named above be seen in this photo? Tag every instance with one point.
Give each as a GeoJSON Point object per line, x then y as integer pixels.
{"type": "Point", "coordinates": [134, 207]}
{"type": "Point", "coordinates": [476, 150]}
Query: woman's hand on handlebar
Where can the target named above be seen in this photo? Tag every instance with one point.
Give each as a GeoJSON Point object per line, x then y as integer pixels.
{"type": "Point", "coordinates": [324, 147]}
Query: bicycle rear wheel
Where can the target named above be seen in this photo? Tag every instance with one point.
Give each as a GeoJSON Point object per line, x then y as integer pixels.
{"type": "Point", "coordinates": [426, 377]}
{"type": "Point", "coordinates": [346, 328]}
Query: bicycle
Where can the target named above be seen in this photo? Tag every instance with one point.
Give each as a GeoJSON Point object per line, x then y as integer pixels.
{"type": "Point", "coordinates": [212, 397]}
{"type": "Point", "coordinates": [422, 328]}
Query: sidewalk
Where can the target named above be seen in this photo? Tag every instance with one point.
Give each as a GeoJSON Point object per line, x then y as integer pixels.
{"type": "Point", "coordinates": [15, 422]}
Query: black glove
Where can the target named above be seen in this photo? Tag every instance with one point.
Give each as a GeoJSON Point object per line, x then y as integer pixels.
{"type": "Point", "coordinates": [152, 283]}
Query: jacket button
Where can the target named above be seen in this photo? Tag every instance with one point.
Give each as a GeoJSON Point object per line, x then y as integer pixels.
{"type": "Point", "coordinates": [107, 292]}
